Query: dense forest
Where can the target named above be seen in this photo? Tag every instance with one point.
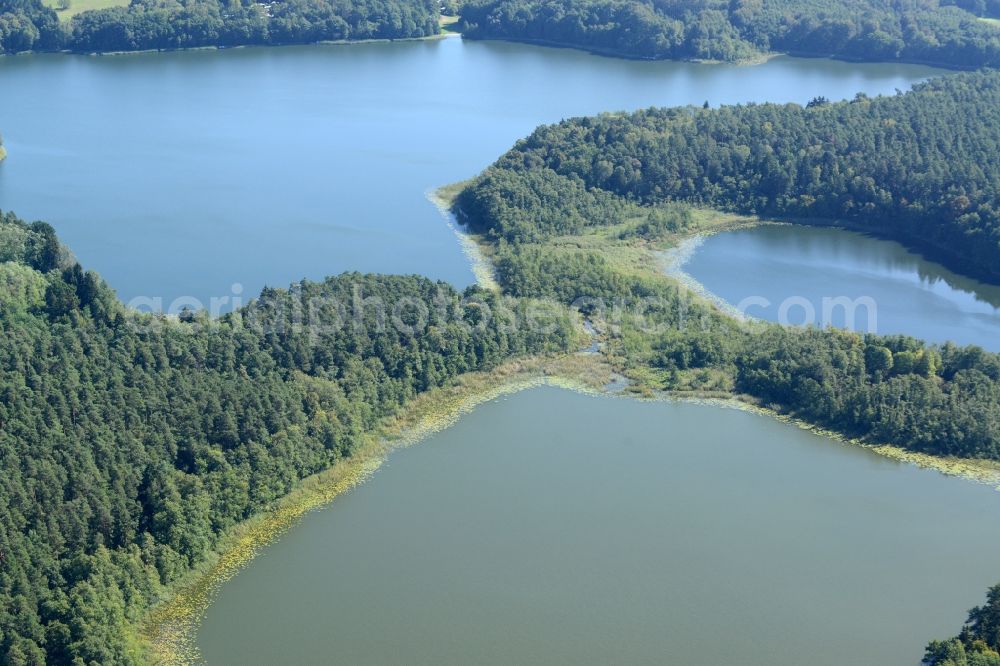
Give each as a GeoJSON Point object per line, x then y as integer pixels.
{"type": "Point", "coordinates": [932, 31]}
{"type": "Point", "coordinates": [129, 443]}
{"type": "Point", "coordinates": [171, 24]}
{"type": "Point", "coordinates": [28, 25]}
{"type": "Point", "coordinates": [921, 167]}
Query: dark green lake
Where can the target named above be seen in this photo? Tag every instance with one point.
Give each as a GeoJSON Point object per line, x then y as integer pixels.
{"type": "Point", "coordinates": [556, 528]}
{"type": "Point", "coordinates": [784, 273]}
{"type": "Point", "coordinates": [180, 174]}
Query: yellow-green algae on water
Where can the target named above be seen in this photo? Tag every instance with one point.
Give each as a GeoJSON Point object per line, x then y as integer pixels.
{"type": "Point", "coordinates": [169, 630]}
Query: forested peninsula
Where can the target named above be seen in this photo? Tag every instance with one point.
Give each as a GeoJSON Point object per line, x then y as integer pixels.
{"type": "Point", "coordinates": [130, 443]}
{"type": "Point", "coordinates": [939, 32]}
{"type": "Point", "coordinates": [29, 25]}
{"type": "Point", "coordinates": [921, 167]}
{"type": "Point", "coordinates": [558, 211]}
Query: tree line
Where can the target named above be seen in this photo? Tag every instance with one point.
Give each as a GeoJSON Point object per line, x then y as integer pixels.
{"type": "Point", "coordinates": [933, 31]}
{"type": "Point", "coordinates": [129, 443]}
{"type": "Point", "coordinates": [172, 24]}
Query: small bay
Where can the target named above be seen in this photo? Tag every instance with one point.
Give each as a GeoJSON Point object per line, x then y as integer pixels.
{"type": "Point", "coordinates": [786, 272]}
{"type": "Point", "coordinates": [553, 527]}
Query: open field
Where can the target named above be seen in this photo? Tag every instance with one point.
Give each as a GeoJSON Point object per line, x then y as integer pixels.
{"type": "Point", "coordinates": [78, 6]}
{"type": "Point", "coordinates": [448, 24]}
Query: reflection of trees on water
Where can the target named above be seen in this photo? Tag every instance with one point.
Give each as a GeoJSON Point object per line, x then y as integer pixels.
{"type": "Point", "coordinates": [828, 245]}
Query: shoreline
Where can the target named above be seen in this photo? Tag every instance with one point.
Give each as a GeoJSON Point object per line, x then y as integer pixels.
{"type": "Point", "coordinates": [670, 261]}
{"type": "Point", "coordinates": [673, 259]}
{"type": "Point", "coordinates": [925, 250]}
{"type": "Point", "coordinates": [220, 47]}
{"type": "Point", "coordinates": [760, 59]}
{"type": "Point", "coordinates": [975, 470]}
{"type": "Point", "coordinates": [447, 33]}
{"type": "Point", "coordinates": [482, 268]}
{"type": "Point", "coordinates": [622, 55]}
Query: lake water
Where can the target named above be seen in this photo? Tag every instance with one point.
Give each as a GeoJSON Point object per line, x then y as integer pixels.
{"type": "Point", "coordinates": [181, 174]}
{"type": "Point", "coordinates": [557, 528]}
{"type": "Point", "coordinates": [787, 271]}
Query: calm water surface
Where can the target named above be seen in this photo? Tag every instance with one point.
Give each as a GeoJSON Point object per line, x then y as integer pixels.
{"type": "Point", "coordinates": [798, 267]}
{"type": "Point", "coordinates": [556, 528]}
{"type": "Point", "coordinates": [180, 174]}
